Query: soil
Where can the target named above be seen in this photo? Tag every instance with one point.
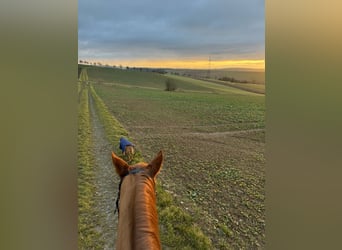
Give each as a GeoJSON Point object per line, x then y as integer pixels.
{"type": "Point", "coordinates": [218, 177]}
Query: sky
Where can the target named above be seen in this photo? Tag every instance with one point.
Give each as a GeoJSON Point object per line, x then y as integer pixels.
{"type": "Point", "coordinates": [172, 34]}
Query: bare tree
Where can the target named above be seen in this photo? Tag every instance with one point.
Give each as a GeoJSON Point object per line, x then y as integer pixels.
{"type": "Point", "coordinates": [170, 85]}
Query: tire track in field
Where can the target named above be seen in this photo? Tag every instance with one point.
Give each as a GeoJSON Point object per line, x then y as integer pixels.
{"type": "Point", "coordinates": [106, 181]}
{"type": "Point", "coordinates": [209, 134]}
{"type": "Point", "coordinates": [232, 133]}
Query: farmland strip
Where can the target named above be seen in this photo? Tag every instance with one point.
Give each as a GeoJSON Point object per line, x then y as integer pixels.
{"type": "Point", "coordinates": [178, 230]}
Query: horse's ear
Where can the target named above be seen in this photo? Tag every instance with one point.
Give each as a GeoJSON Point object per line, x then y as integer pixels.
{"type": "Point", "coordinates": [120, 165]}
{"type": "Point", "coordinates": [156, 164]}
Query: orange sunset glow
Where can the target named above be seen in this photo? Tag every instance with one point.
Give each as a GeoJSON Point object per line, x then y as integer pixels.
{"type": "Point", "coordinates": [191, 64]}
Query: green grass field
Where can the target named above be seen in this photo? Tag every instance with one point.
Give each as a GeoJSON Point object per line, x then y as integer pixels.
{"type": "Point", "coordinates": [134, 78]}
{"type": "Point", "coordinates": [157, 81]}
{"type": "Point", "coordinates": [213, 138]}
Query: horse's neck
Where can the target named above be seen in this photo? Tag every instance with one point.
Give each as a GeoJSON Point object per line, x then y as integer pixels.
{"type": "Point", "coordinates": [138, 220]}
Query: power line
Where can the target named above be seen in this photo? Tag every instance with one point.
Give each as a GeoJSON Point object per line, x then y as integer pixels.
{"type": "Point", "coordinates": [209, 67]}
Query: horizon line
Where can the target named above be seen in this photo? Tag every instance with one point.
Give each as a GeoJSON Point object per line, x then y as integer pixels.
{"type": "Point", "coordinates": [245, 64]}
{"type": "Point", "coordinates": [169, 68]}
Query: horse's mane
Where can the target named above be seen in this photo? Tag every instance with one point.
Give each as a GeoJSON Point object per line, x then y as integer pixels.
{"type": "Point", "coordinates": [145, 201]}
{"type": "Point", "coordinates": [140, 191]}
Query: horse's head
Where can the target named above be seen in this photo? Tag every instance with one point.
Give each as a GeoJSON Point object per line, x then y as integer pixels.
{"type": "Point", "coordinates": [152, 169]}
{"type": "Point", "coordinates": [138, 220]}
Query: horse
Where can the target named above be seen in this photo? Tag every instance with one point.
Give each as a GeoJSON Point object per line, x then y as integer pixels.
{"type": "Point", "coordinates": [127, 148]}
{"type": "Point", "coordinates": [136, 204]}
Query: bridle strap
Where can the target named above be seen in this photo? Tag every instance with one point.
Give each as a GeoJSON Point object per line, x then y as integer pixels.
{"type": "Point", "coordinates": [118, 198]}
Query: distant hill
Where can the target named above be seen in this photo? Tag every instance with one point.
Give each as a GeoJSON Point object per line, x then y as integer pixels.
{"type": "Point", "coordinates": [250, 75]}
{"type": "Point", "coordinates": [185, 80]}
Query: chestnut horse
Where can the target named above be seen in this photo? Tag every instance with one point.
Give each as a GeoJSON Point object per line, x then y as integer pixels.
{"type": "Point", "coordinates": [138, 218]}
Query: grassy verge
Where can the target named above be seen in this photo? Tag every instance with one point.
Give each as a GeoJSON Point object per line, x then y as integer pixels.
{"type": "Point", "coordinates": [177, 228]}
{"type": "Point", "coordinates": [88, 236]}
{"type": "Point", "coordinates": [84, 75]}
{"type": "Point", "coordinates": [108, 121]}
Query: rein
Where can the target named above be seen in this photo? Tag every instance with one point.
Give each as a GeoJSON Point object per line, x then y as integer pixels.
{"type": "Point", "coordinates": [133, 171]}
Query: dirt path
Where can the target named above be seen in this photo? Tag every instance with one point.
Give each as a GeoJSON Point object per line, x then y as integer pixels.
{"type": "Point", "coordinates": [105, 179]}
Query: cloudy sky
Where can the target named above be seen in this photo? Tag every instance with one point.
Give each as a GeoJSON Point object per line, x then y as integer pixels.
{"type": "Point", "coordinates": [177, 33]}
